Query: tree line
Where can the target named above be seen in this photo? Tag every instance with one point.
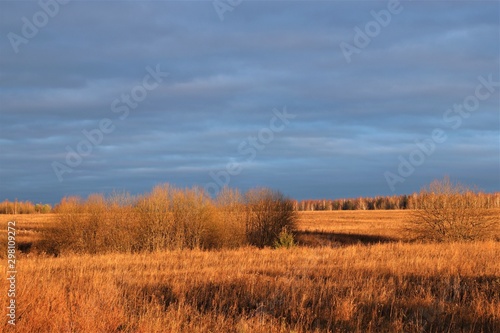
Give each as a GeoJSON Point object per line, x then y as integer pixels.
{"type": "Point", "coordinates": [411, 201]}
{"type": "Point", "coordinates": [404, 201]}
{"type": "Point", "coordinates": [23, 207]}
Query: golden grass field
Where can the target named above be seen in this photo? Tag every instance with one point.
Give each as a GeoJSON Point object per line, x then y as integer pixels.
{"type": "Point", "coordinates": [353, 271]}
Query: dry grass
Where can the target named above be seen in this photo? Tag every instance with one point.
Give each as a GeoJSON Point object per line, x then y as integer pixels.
{"type": "Point", "coordinates": [29, 229]}
{"type": "Point", "coordinates": [365, 287]}
{"type": "Point", "coordinates": [351, 227]}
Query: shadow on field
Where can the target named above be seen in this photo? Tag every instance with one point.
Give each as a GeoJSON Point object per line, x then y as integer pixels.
{"type": "Point", "coordinates": [402, 305]}
{"type": "Point", "coordinates": [334, 239]}
{"type": "Point", "coordinates": [24, 247]}
{"type": "Point", "coordinates": [455, 298]}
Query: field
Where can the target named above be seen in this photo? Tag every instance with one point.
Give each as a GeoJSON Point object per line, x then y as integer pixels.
{"type": "Point", "coordinates": [353, 271]}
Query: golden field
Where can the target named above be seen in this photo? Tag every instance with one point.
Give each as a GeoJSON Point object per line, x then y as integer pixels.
{"type": "Point", "coordinates": [353, 271]}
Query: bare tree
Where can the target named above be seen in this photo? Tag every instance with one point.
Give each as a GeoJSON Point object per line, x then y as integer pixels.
{"type": "Point", "coordinates": [446, 211]}
{"type": "Point", "coordinates": [268, 214]}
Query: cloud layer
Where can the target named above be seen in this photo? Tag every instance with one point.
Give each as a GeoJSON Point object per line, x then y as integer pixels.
{"type": "Point", "coordinates": [352, 121]}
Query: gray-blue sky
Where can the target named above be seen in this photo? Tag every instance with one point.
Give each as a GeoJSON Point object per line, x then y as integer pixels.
{"type": "Point", "coordinates": [352, 120]}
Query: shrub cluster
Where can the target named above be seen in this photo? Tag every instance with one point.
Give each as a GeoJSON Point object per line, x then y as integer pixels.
{"type": "Point", "coordinates": [268, 214]}
{"type": "Point", "coordinates": [170, 218]}
{"type": "Point", "coordinates": [452, 212]}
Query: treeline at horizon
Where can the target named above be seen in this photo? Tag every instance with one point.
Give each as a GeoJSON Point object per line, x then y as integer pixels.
{"type": "Point", "coordinates": [24, 207]}
{"type": "Point", "coordinates": [404, 201]}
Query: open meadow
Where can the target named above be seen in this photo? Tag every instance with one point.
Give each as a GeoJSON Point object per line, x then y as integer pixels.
{"type": "Point", "coordinates": [238, 166]}
{"type": "Point", "coordinates": [351, 271]}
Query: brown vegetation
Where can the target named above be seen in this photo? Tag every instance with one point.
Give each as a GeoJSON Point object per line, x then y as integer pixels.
{"type": "Point", "coordinates": [452, 212]}
{"type": "Point", "coordinates": [393, 287]}
{"type": "Point", "coordinates": [169, 218]}
{"type": "Point", "coordinates": [141, 264]}
{"type": "Point", "coordinates": [491, 200]}
{"type": "Point", "coordinates": [268, 214]}
{"type": "Point", "coordinates": [23, 207]}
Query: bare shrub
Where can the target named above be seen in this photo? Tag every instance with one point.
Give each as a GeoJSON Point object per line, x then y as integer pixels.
{"type": "Point", "coordinates": [169, 218]}
{"type": "Point", "coordinates": [175, 219]}
{"type": "Point", "coordinates": [155, 214]}
{"type": "Point", "coordinates": [78, 226]}
{"type": "Point", "coordinates": [96, 225]}
{"type": "Point", "coordinates": [451, 212]}
{"type": "Point", "coordinates": [66, 233]}
{"type": "Point", "coordinates": [228, 231]}
{"type": "Point", "coordinates": [268, 214]}
{"type": "Point", "coordinates": [120, 227]}
{"type": "Point", "coordinates": [193, 213]}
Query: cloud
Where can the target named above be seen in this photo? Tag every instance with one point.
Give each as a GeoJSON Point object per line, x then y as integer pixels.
{"type": "Point", "coordinates": [352, 120]}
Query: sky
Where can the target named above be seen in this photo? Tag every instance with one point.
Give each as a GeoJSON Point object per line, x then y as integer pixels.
{"type": "Point", "coordinates": [317, 99]}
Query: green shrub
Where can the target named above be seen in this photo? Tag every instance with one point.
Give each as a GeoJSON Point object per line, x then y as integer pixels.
{"type": "Point", "coordinates": [285, 240]}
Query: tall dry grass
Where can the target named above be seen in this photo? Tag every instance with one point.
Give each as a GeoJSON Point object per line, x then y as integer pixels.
{"type": "Point", "coordinates": [141, 265]}
{"type": "Point", "coordinates": [392, 287]}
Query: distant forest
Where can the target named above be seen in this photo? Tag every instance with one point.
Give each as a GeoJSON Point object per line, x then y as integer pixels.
{"type": "Point", "coordinates": [488, 200]}
{"type": "Point", "coordinates": [411, 201]}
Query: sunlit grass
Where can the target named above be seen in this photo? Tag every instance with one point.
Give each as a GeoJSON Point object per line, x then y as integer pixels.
{"type": "Point", "coordinates": [389, 287]}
